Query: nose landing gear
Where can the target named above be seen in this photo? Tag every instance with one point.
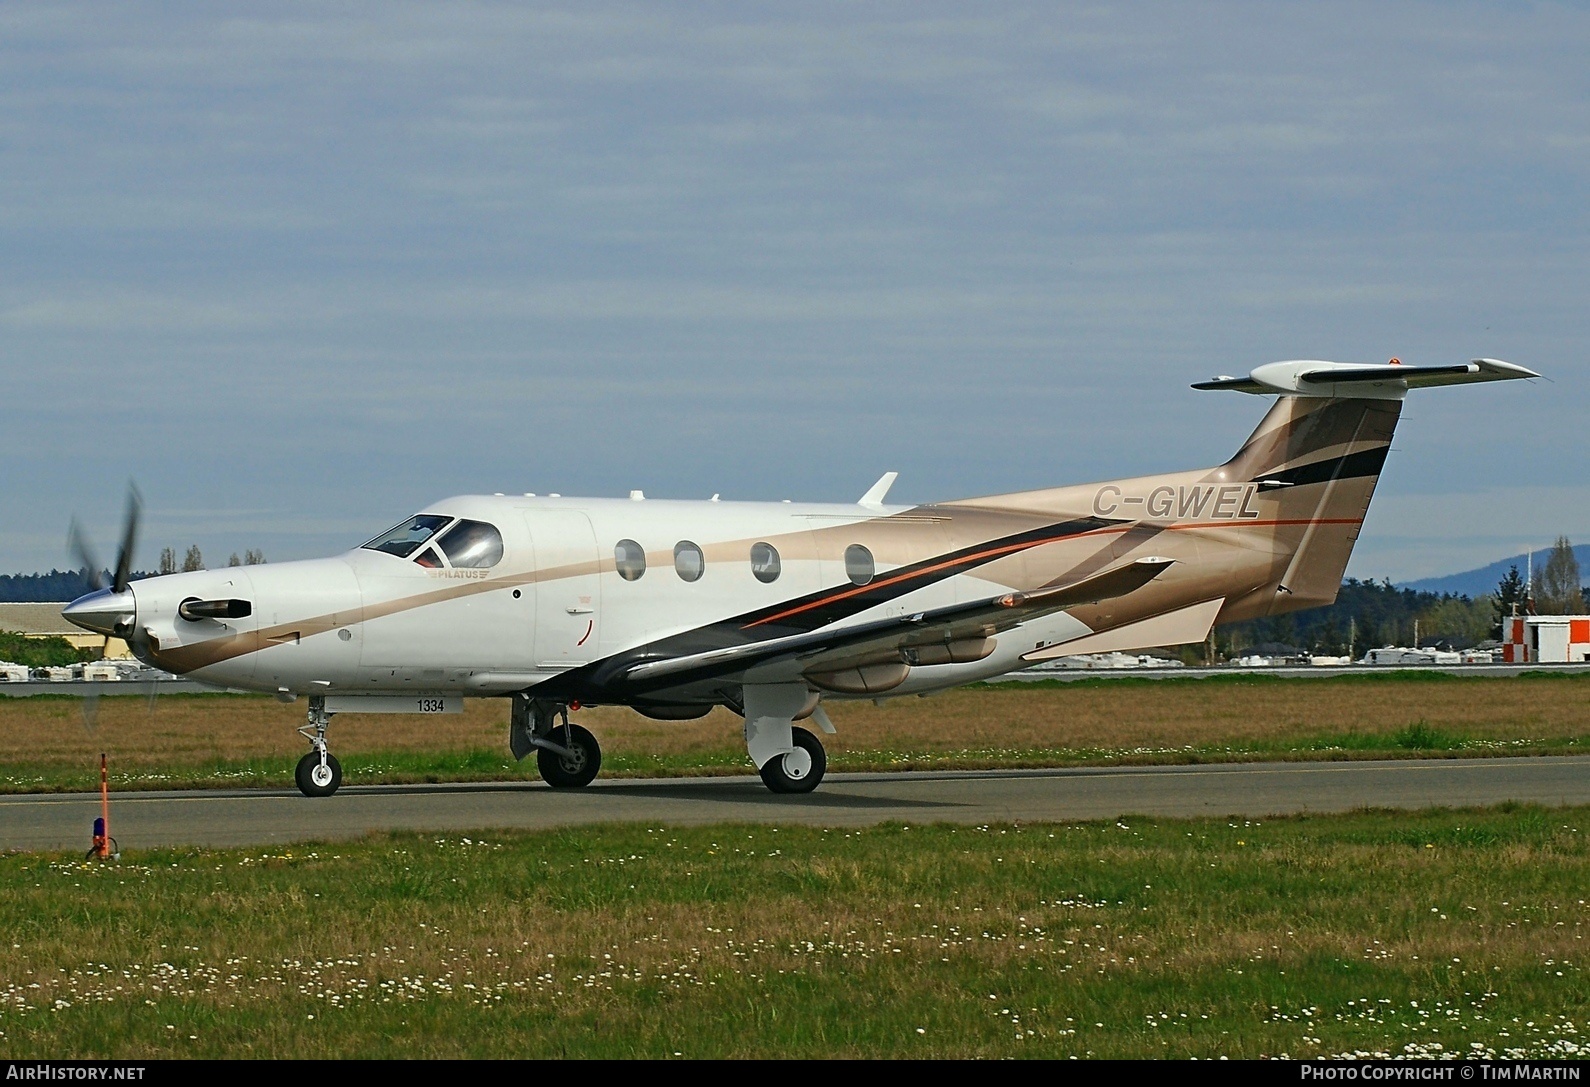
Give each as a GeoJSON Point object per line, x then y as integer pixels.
{"type": "Point", "coordinates": [318, 773]}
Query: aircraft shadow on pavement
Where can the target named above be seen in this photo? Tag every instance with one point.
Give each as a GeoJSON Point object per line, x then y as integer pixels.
{"type": "Point", "coordinates": [754, 793]}
{"type": "Point", "coordinates": [716, 790]}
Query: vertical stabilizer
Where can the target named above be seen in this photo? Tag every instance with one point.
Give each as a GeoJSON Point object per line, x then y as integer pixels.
{"type": "Point", "coordinates": [1319, 460]}
{"type": "Point", "coordinates": [1317, 456]}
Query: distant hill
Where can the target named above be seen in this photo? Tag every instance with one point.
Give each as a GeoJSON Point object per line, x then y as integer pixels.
{"type": "Point", "coordinates": [1483, 580]}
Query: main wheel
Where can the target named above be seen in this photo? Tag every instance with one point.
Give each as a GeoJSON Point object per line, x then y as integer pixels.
{"type": "Point", "coordinates": [796, 771]}
{"type": "Point", "coordinates": [315, 779]}
{"type": "Point", "coordinates": [576, 769]}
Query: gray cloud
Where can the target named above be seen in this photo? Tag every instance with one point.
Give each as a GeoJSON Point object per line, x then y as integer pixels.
{"type": "Point", "coordinates": [335, 263]}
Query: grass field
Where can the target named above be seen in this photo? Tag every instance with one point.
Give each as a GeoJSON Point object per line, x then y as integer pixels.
{"type": "Point", "coordinates": [1399, 934]}
{"type": "Point", "coordinates": [230, 740]}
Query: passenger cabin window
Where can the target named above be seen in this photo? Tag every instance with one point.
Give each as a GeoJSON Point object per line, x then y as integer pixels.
{"type": "Point", "coordinates": [406, 538]}
{"type": "Point", "coordinates": [473, 545]}
{"type": "Point", "coordinates": [689, 562]}
{"type": "Point", "coordinates": [764, 562]}
{"type": "Point", "coordinates": [859, 567]}
{"type": "Point", "coordinates": [630, 559]}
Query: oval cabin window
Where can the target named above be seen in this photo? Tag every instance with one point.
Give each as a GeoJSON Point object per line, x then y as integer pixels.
{"type": "Point", "coordinates": [859, 567]}
{"type": "Point", "coordinates": [630, 559]}
{"type": "Point", "coordinates": [689, 562]}
{"type": "Point", "coordinates": [764, 562]}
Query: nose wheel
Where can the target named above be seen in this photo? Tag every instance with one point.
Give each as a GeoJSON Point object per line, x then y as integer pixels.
{"type": "Point", "coordinates": [318, 773]}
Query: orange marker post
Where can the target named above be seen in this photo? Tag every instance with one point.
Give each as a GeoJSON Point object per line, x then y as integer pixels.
{"type": "Point", "coordinates": [101, 846]}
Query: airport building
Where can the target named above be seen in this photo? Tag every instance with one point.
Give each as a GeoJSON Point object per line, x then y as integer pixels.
{"type": "Point", "coordinates": [45, 621]}
{"type": "Point", "coordinates": [1546, 639]}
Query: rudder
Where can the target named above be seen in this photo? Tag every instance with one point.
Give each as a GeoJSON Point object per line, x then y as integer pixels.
{"type": "Point", "coordinates": [1318, 459]}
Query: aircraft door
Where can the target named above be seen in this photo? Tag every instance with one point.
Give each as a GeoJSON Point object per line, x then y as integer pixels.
{"type": "Point", "coordinates": [568, 588]}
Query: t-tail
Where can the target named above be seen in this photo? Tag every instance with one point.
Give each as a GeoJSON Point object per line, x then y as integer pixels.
{"type": "Point", "coordinates": [1317, 456]}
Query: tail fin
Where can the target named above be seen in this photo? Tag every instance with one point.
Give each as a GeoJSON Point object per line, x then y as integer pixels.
{"type": "Point", "coordinates": [1318, 455]}
{"type": "Point", "coordinates": [1320, 459]}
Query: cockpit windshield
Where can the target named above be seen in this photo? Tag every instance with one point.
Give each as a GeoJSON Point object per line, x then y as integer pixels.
{"type": "Point", "coordinates": [402, 540]}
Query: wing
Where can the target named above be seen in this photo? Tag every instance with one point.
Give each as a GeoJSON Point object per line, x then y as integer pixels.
{"type": "Point", "coordinates": [893, 640]}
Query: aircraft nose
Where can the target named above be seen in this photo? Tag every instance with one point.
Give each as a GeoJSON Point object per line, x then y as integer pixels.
{"type": "Point", "coordinates": [106, 612]}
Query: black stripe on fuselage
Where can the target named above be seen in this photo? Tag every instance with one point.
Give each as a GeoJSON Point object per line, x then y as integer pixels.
{"type": "Point", "coordinates": [826, 606]}
{"type": "Point", "coordinates": [813, 611]}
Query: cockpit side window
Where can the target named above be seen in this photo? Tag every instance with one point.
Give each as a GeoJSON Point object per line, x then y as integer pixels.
{"type": "Point", "coordinates": [429, 559]}
{"type": "Point", "coordinates": [408, 536]}
{"type": "Point", "coordinates": [473, 545]}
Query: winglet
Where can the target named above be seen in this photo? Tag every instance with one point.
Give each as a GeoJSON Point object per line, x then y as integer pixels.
{"type": "Point", "coordinates": [875, 493]}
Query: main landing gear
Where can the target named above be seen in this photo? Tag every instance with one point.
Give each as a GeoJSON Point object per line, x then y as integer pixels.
{"type": "Point", "coordinates": [576, 764]}
{"type": "Point", "coordinates": [790, 759]}
{"type": "Point", "coordinates": [796, 771]}
{"type": "Point", "coordinates": [319, 773]}
{"type": "Point", "coordinates": [567, 755]}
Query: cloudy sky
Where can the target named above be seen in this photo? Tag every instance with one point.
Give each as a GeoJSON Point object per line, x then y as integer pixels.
{"type": "Point", "coordinates": [300, 273]}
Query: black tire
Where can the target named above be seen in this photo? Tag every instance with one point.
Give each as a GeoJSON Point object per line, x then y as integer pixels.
{"type": "Point", "coordinates": [306, 774]}
{"type": "Point", "coordinates": [776, 777]}
{"type": "Point", "coordinates": [562, 772]}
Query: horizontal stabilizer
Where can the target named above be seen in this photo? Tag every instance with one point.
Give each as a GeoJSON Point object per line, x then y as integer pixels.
{"type": "Point", "coordinates": [1389, 381]}
{"type": "Point", "coordinates": [1181, 627]}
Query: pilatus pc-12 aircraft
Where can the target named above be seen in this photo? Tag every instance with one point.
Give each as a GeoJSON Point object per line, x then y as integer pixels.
{"type": "Point", "coordinates": [772, 608]}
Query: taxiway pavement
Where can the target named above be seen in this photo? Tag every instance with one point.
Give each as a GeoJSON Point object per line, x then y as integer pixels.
{"type": "Point", "coordinates": [258, 817]}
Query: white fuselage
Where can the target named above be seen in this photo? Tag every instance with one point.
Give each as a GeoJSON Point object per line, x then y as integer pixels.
{"type": "Point", "coordinates": [371, 622]}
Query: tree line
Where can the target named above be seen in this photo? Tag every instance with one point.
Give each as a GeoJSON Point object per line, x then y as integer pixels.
{"type": "Point", "coordinates": [194, 560]}
{"type": "Point", "coordinates": [1368, 614]}
{"type": "Point", "coordinates": [71, 584]}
